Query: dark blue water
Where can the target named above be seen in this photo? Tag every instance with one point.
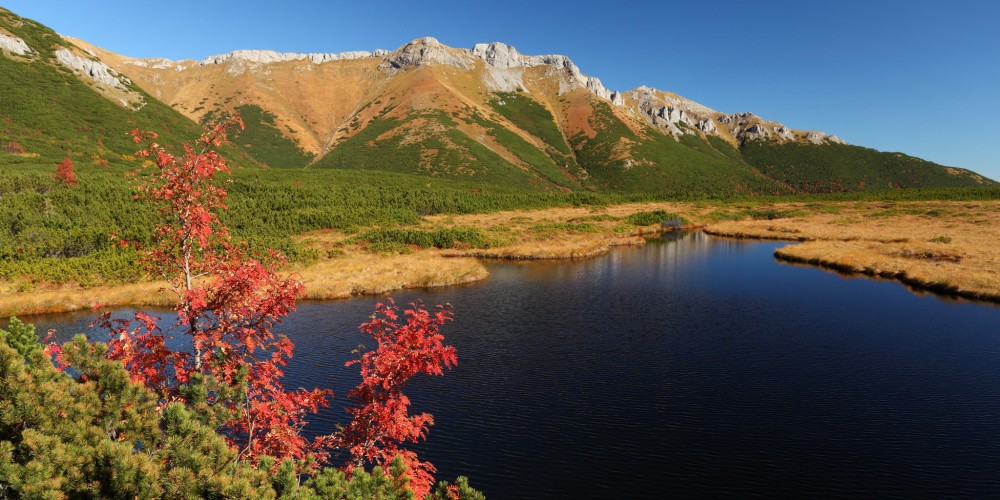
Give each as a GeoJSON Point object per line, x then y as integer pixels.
{"type": "Point", "coordinates": [695, 367]}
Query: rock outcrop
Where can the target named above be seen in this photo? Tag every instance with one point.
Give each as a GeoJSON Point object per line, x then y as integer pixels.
{"type": "Point", "coordinates": [667, 111]}
{"type": "Point", "coordinates": [707, 126]}
{"type": "Point", "coordinates": [159, 63]}
{"type": "Point", "coordinates": [14, 45]}
{"type": "Point", "coordinates": [270, 56]}
{"type": "Point", "coordinates": [95, 70]}
{"type": "Point", "coordinates": [505, 65]}
{"type": "Point", "coordinates": [499, 55]}
{"type": "Point", "coordinates": [817, 137]}
{"type": "Point", "coordinates": [426, 51]}
{"type": "Point", "coordinates": [750, 127]}
{"type": "Point", "coordinates": [503, 69]}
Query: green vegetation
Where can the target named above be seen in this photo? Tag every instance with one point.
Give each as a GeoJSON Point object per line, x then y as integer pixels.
{"type": "Point", "coordinates": [833, 168]}
{"type": "Point", "coordinates": [655, 217]}
{"type": "Point", "coordinates": [659, 164]}
{"type": "Point", "coordinates": [543, 165]}
{"type": "Point", "coordinates": [429, 143]}
{"type": "Point", "coordinates": [265, 142]}
{"type": "Point", "coordinates": [69, 118]}
{"type": "Point", "coordinates": [531, 117]}
{"type": "Point", "coordinates": [391, 239]}
{"type": "Point", "coordinates": [55, 233]}
{"type": "Point", "coordinates": [101, 436]}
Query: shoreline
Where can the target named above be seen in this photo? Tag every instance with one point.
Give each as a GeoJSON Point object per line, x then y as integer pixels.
{"type": "Point", "coordinates": [945, 248]}
{"type": "Point", "coordinates": [853, 238]}
{"type": "Point", "coordinates": [915, 284]}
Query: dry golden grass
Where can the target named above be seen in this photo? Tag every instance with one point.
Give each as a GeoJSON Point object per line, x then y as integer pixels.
{"type": "Point", "coordinates": [311, 101]}
{"type": "Point", "coordinates": [73, 298]}
{"type": "Point", "coordinates": [349, 270]}
{"type": "Point", "coordinates": [576, 114]}
{"type": "Point", "coordinates": [948, 247]}
{"type": "Point", "coordinates": [943, 246]}
{"type": "Point", "coordinates": [359, 273]}
{"type": "Point", "coordinates": [570, 246]}
{"type": "Point", "coordinates": [352, 273]}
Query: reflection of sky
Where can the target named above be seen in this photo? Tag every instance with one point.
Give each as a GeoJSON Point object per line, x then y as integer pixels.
{"type": "Point", "coordinates": [698, 367]}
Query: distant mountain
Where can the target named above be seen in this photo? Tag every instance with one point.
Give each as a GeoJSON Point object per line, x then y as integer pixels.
{"type": "Point", "coordinates": [486, 114]}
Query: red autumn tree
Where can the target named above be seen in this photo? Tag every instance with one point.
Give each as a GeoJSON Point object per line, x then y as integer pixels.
{"type": "Point", "coordinates": [221, 356]}
{"type": "Point", "coordinates": [228, 303]}
{"type": "Point", "coordinates": [407, 345]}
{"type": "Point", "coordinates": [64, 172]}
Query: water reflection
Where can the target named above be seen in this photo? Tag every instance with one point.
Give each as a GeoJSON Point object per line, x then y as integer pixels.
{"type": "Point", "coordinates": [693, 366]}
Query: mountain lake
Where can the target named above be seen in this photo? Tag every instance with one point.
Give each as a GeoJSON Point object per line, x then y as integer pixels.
{"type": "Point", "coordinates": [694, 366]}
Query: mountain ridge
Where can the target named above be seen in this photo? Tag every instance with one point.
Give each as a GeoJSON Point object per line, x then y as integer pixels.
{"type": "Point", "coordinates": [486, 114]}
{"type": "Point", "coordinates": [501, 64]}
{"type": "Point", "coordinates": [498, 56]}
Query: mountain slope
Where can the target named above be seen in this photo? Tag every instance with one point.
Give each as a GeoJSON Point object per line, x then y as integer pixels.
{"type": "Point", "coordinates": [826, 168]}
{"type": "Point", "coordinates": [57, 100]}
{"type": "Point", "coordinates": [492, 115]}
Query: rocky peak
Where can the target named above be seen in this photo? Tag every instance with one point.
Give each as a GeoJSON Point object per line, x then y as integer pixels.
{"type": "Point", "coordinates": [270, 56]}
{"type": "Point", "coordinates": [425, 51]}
{"type": "Point", "coordinates": [14, 45]}
{"type": "Point", "coordinates": [747, 126]}
{"type": "Point", "coordinates": [817, 137]}
{"type": "Point", "coordinates": [505, 65]}
{"type": "Point", "coordinates": [499, 55]}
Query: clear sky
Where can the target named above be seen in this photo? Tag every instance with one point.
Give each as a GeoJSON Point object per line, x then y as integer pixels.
{"type": "Point", "coordinates": [917, 76]}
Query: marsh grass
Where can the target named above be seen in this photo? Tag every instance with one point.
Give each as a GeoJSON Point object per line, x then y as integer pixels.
{"type": "Point", "coordinates": [902, 242]}
{"type": "Point", "coordinates": [439, 250]}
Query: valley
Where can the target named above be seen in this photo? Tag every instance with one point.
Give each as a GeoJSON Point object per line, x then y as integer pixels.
{"type": "Point", "coordinates": [374, 171]}
{"type": "Point", "coordinates": [637, 285]}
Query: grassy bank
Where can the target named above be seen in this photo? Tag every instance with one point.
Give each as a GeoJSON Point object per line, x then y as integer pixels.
{"type": "Point", "coordinates": [347, 234]}
{"type": "Point", "coordinates": [436, 250]}
{"type": "Point", "coordinates": [947, 247]}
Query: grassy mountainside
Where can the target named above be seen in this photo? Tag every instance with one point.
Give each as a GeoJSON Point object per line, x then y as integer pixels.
{"type": "Point", "coordinates": [619, 158]}
{"type": "Point", "coordinates": [265, 142]}
{"type": "Point", "coordinates": [427, 125]}
{"type": "Point", "coordinates": [831, 168]}
{"type": "Point", "coordinates": [51, 112]}
{"type": "Point", "coordinates": [433, 119]}
{"type": "Point", "coordinates": [532, 117]}
{"type": "Point", "coordinates": [526, 122]}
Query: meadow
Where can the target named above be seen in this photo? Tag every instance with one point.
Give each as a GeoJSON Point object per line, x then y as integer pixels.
{"type": "Point", "coordinates": [351, 231]}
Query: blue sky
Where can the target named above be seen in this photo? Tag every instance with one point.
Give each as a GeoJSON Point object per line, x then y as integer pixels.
{"type": "Point", "coordinates": [915, 76]}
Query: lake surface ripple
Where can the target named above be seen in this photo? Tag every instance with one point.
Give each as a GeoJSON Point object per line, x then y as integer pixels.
{"type": "Point", "coordinates": [694, 366]}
